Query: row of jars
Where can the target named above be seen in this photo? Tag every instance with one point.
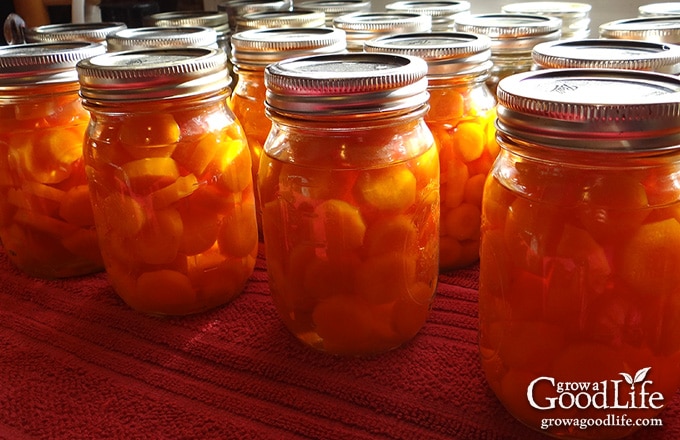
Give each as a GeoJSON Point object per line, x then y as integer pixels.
{"type": "Point", "coordinates": [376, 166]}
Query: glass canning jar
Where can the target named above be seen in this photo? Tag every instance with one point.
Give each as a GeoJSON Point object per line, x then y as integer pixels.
{"type": "Point", "coordinates": [168, 168]}
{"type": "Point", "coordinates": [54, 33]}
{"type": "Point", "coordinates": [157, 37]}
{"type": "Point", "coordinates": [513, 36]}
{"type": "Point", "coordinates": [360, 27]}
{"type": "Point", "coordinates": [461, 117]}
{"type": "Point", "coordinates": [442, 12]}
{"type": "Point", "coordinates": [46, 223]}
{"type": "Point", "coordinates": [280, 19]}
{"type": "Point", "coordinates": [575, 16]}
{"type": "Point", "coordinates": [662, 29]}
{"type": "Point", "coordinates": [215, 20]}
{"type": "Point", "coordinates": [579, 280]}
{"type": "Point", "coordinates": [605, 53]}
{"type": "Point", "coordinates": [659, 9]}
{"type": "Point", "coordinates": [349, 186]}
{"type": "Point", "coordinates": [252, 51]}
{"type": "Point", "coordinates": [334, 8]}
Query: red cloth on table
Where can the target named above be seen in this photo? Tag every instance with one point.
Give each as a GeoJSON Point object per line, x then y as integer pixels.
{"type": "Point", "coordinates": [77, 363]}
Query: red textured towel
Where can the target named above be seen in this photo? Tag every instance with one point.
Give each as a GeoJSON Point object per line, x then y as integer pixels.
{"type": "Point", "coordinates": [77, 363]}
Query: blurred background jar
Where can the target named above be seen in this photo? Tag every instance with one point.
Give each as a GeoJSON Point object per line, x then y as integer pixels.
{"type": "Point", "coordinates": [659, 9]}
{"type": "Point", "coordinates": [168, 168]}
{"type": "Point", "coordinates": [660, 29]}
{"type": "Point", "coordinates": [252, 51]}
{"type": "Point", "coordinates": [334, 8]}
{"type": "Point", "coordinates": [349, 185]}
{"type": "Point", "coordinates": [513, 37]}
{"type": "Point", "coordinates": [581, 245]}
{"type": "Point", "coordinates": [92, 32]}
{"type": "Point", "coordinates": [461, 118]}
{"type": "Point", "coordinates": [280, 19]}
{"type": "Point", "coordinates": [443, 13]}
{"type": "Point", "coordinates": [360, 27]}
{"type": "Point", "coordinates": [215, 20]}
{"type": "Point", "coordinates": [46, 223]}
{"type": "Point", "coordinates": [239, 8]}
{"type": "Point", "coordinates": [157, 37]}
{"type": "Point", "coordinates": [575, 16]}
{"type": "Point", "coordinates": [608, 54]}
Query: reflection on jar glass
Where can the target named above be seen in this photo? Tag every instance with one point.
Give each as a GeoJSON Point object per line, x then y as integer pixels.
{"type": "Point", "coordinates": [168, 168]}
{"type": "Point", "coordinates": [349, 188]}
{"type": "Point", "coordinates": [46, 222]}
{"type": "Point", "coordinates": [580, 249]}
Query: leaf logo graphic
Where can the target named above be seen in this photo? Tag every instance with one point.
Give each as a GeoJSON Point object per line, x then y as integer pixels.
{"type": "Point", "coordinates": [639, 376]}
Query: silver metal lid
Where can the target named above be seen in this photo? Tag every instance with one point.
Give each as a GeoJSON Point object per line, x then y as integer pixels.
{"type": "Point", "coordinates": [239, 8]}
{"type": "Point", "coordinates": [93, 32]}
{"type": "Point", "coordinates": [219, 21]}
{"type": "Point", "coordinates": [334, 8]}
{"type": "Point", "coordinates": [443, 12]}
{"type": "Point", "coordinates": [661, 29]}
{"type": "Point", "coordinates": [591, 109]}
{"type": "Point", "coordinates": [26, 64]}
{"type": "Point", "coordinates": [575, 16]}
{"type": "Point", "coordinates": [164, 73]}
{"type": "Point", "coordinates": [363, 26]}
{"type": "Point", "coordinates": [149, 37]}
{"type": "Point", "coordinates": [256, 48]}
{"type": "Point", "coordinates": [659, 9]}
{"type": "Point", "coordinates": [346, 84]}
{"type": "Point", "coordinates": [511, 33]}
{"type": "Point", "coordinates": [447, 53]}
{"type": "Point", "coordinates": [280, 19]}
{"type": "Point", "coordinates": [608, 54]}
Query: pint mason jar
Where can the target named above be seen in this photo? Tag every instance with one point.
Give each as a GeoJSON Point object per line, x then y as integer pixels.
{"type": "Point", "coordinates": [349, 188]}
{"type": "Point", "coordinates": [461, 117]}
{"type": "Point", "coordinates": [46, 224]}
{"type": "Point", "coordinates": [168, 168]}
{"type": "Point", "coordinates": [513, 36]}
{"type": "Point", "coordinates": [608, 54]}
{"type": "Point", "coordinates": [252, 51]}
{"type": "Point", "coordinates": [579, 280]}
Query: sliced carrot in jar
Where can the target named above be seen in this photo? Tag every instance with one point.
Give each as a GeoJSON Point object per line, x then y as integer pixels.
{"type": "Point", "coordinates": [387, 277]}
{"type": "Point", "coordinates": [238, 234]}
{"type": "Point", "coordinates": [43, 223]}
{"type": "Point", "coordinates": [392, 189]}
{"type": "Point", "coordinates": [201, 227]}
{"type": "Point", "coordinates": [142, 176]}
{"type": "Point", "coordinates": [84, 243]}
{"type": "Point", "coordinates": [148, 130]}
{"type": "Point", "coordinates": [183, 187]}
{"type": "Point", "coordinates": [462, 222]}
{"type": "Point", "coordinates": [163, 292]}
{"type": "Point", "coordinates": [343, 226]}
{"type": "Point", "coordinates": [195, 156]}
{"type": "Point", "coordinates": [235, 166]}
{"type": "Point", "coordinates": [51, 156]}
{"type": "Point", "coordinates": [453, 179]}
{"type": "Point", "coordinates": [76, 207]}
{"type": "Point", "coordinates": [391, 234]}
{"type": "Point", "coordinates": [469, 139]}
{"type": "Point", "coordinates": [121, 213]}
{"type": "Point", "coordinates": [648, 261]}
{"type": "Point", "coordinates": [159, 239]}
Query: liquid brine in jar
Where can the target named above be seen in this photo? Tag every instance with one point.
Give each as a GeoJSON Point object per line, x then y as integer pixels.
{"type": "Point", "coordinates": [46, 223]}
{"type": "Point", "coordinates": [252, 51]}
{"type": "Point", "coordinates": [579, 280]}
{"type": "Point", "coordinates": [349, 189]}
{"type": "Point", "coordinates": [168, 168]}
{"type": "Point", "coordinates": [461, 117]}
